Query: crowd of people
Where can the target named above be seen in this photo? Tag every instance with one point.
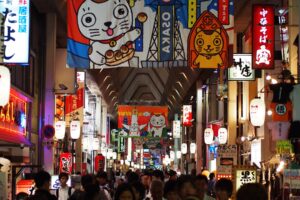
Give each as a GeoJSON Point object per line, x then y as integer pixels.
{"type": "Point", "coordinates": [147, 185]}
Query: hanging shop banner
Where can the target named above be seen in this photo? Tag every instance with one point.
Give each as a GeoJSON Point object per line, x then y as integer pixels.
{"type": "Point", "coordinates": [257, 112]}
{"type": "Point", "coordinates": [176, 129]}
{"type": "Point", "coordinates": [283, 20]}
{"type": "Point", "coordinates": [14, 31]}
{"type": "Point", "coordinates": [208, 43]}
{"type": "Point", "coordinates": [242, 68]}
{"type": "Point", "coordinates": [74, 103]}
{"type": "Point", "coordinates": [226, 159]}
{"type": "Point", "coordinates": [65, 164]}
{"type": "Point", "coordinates": [4, 85]}
{"type": "Point", "coordinates": [263, 36]}
{"type": "Point", "coordinates": [242, 175]}
{"type": "Point", "coordinates": [187, 115]}
{"type": "Point", "coordinates": [13, 116]}
{"type": "Point", "coordinates": [146, 121]}
{"type": "Point", "coordinates": [291, 177]}
{"type": "Point", "coordinates": [146, 33]}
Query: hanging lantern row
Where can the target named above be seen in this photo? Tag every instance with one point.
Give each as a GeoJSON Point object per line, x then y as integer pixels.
{"type": "Point", "coordinates": [4, 85]}
{"type": "Point", "coordinates": [60, 129]}
{"type": "Point", "coordinates": [209, 136]}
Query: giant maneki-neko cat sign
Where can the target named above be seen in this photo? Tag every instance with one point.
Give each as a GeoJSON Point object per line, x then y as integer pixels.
{"type": "Point", "coordinates": [150, 33]}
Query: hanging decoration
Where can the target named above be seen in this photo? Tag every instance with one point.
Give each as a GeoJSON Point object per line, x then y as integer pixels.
{"type": "Point", "coordinates": [60, 129]}
{"type": "Point", "coordinates": [75, 130]}
{"type": "Point", "coordinates": [183, 148]}
{"type": "Point", "coordinates": [208, 136]}
{"type": "Point", "coordinates": [257, 112]}
{"type": "Point", "coordinates": [65, 164]}
{"type": "Point", "coordinates": [176, 129]}
{"type": "Point", "coordinates": [4, 85]}
{"type": "Point", "coordinates": [193, 148]}
{"type": "Point", "coordinates": [187, 115]}
{"type": "Point", "coordinates": [222, 135]}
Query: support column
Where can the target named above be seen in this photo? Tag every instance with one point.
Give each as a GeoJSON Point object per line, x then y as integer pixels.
{"type": "Point", "coordinates": [199, 127]}
{"type": "Point", "coordinates": [232, 112]}
{"type": "Point", "coordinates": [49, 103]}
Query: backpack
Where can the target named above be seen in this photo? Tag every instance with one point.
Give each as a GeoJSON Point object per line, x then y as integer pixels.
{"type": "Point", "coordinates": [69, 192]}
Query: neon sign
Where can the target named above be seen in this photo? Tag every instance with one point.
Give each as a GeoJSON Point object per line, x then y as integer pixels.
{"type": "Point", "coordinates": [13, 115]}
{"type": "Point", "coordinates": [263, 37]}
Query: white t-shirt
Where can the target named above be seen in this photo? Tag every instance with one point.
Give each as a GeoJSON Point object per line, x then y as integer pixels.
{"type": "Point", "coordinates": [63, 193]}
{"type": "Point", "coordinates": [280, 130]}
{"type": "Point", "coordinates": [295, 98]}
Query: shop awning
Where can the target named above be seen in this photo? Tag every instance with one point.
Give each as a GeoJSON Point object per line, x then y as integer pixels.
{"type": "Point", "coordinates": [14, 138]}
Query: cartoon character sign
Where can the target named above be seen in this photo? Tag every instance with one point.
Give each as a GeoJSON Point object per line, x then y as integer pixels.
{"type": "Point", "coordinates": [208, 43]}
{"type": "Point", "coordinates": [157, 124]}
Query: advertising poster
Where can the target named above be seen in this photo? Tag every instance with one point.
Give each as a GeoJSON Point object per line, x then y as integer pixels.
{"type": "Point", "coordinates": [226, 159]}
{"type": "Point", "coordinates": [145, 121]}
{"type": "Point", "coordinates": [291, 178]}
{"type": "Point", "coordinates": [145, 33]}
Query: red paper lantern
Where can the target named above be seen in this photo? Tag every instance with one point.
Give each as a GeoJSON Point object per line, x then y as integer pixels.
{"type": "Point", "coordinates": [99, 162]}
{"type": "Point", "coordinates": [65, 163]}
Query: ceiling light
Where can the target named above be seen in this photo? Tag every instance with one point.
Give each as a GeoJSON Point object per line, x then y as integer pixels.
{"type": "Point", "coordinates": [268, 77]}
{"type": "Point", "coordinates": [179, 83]}
{"type": "Point", "coordinates": [105, 79]}
{"type": "Point", "coordinates": [274, 81]}
{"type": "Point", "coordinates": [177, 92]}
{"type": "Point", "coordinates": [111, 92]}
{"type": "Point", "coordinates": [173, 97]}
{"type": "Point", "coordinates": [183, 74]}
{"type": "Point", "coordinates": [108, 86]}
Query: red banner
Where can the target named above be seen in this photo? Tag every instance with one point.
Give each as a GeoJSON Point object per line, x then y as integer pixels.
{"type": "Point", "coordinates": [99, 163]}
{"type": "Point", "coordinates": [65, 163]}
{"type": "Point", "coordinates": [187, 115]}
{"type": "Point", "coordinates": [148, 121]}
{"type": "Point", "coordinates": [223, 11]}
{"type": "Point", "coordinates": [263, 37]}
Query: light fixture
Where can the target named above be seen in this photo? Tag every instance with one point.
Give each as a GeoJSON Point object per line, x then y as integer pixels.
{"type": "Point", "coordinates": [193, 148]}
{"type": "Point", "coordinates": [183, 148]}
{"type": "Point", "coordinates": [179, 83]}
{"type": "Point", "coordinates": [108, 86]}
{"type": "Point", "coordinates": [268, 77]}
{"type": "Point", "coordinates": [5, 85]}
{"type": "Point", "coordinates": [60, 129]}
{"type": "Point", "coordinates": [62, 87]}
{"type": "Point", "coordinates": [269, 112]}
{"type": "Point", "coordinates": [177, 92]}
{"type": "Point", "coordinates": [257, 112]}
{"type": "Point", "coordinates": [111, 92]}
{"type": "Point", "coordinates": [274, 81]}
{"type": "Point", "coordinates": [280, 166]}
{"type": "Point", "coordinates": [75, 129]}
{"type": "Point", "coordinates": [183, 74]}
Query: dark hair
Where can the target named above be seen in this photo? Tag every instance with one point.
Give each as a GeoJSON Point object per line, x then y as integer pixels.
{"type": "Point", "coordinates": [211, 175]}
{"type": "Point", "coordinates": [169, 187]}
{"type": "Point", "coordinates": [102, 175]}
{"type": "Point", "coordinates": [224, 184]}
{"type": "Point", "coordinates": [185, 179]}
{"type": "Point", "coordinates": [159, 174]}
{"type": "Point", "coordinates": [172, 173]}
{"type": "Point", "coordinates": [252, 191]}
{"type": "Point", "coordinates": [132, 177]}
{"type": "Point", "coordinates": [139, 187]}
{"type": "Point", "coordinates": [201, 177]}
{"type": "Point", "coordinates": [87, 180]}
{"type": "Point", "coordinates": [22, 196]}
{"type": "Point", "coordinates": [91, 191]}
{"type": "Point", "coordinates": [122, 188]}
{"type": "Point", "coordinates": [41, 178]}
{"type": "Point", "coordinates": [63, 174]}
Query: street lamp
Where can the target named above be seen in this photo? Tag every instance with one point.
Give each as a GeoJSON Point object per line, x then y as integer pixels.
{"type": "Point", "coordinates": [75, 134]}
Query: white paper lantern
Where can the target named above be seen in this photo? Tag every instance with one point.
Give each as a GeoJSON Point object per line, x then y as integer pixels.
{"type": "Point", "coordinates": [257, 112]}
{"type": "Point", "coordinates": [96, 144]}
{"type": "Point", "coordinates": [114, 155]}
{"type": "Point", "coordinates": [208, 136]}
{"type": "Point", "coordinates": [193, 147]}
{"type": "Point", "coordinates": [222, 135]}
{"type": "Point", "coordinates": [60, 129]}
{"type": "Point", "coordinates": [178, 154]}
{"type": "Point", "coordinates": [183, 148]}
{"type": "Point", "coordinates": [4, 85]}
{"type": "Point", "coordinates": [172, 155]}
{"type": "Point", "coordinates": [75, 129]}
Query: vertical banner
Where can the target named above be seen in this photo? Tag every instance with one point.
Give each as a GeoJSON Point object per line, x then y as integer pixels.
{"type": "Point", "coordinates": [187, 115]}
{"type": "Point", "coordinates": [14, 26]}
{"type": "Point", "coordinates": [99, 163]}
{"type": "Point", "coordinates": [223, 11]}
{"type": "Point", "coordinates": [65, 163]}
{"type": "Point", "coordinates": [263, 37]}
{"type": "Point", "coordinates": [176, 129]}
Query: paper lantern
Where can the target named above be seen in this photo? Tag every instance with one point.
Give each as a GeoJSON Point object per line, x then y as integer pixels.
{"type": "Point", "coordinates": [172, 155]}
{"type": "Point", "coordinates": [208, 136]}
{"type": "Point", "coordinates": [183, 148]}
{"type": "Point", "coordinates": [176, 129]}
{"type": "Point", "coordinates": [257, 112]}
{"type": "Point", "coordinates": [193, 147]}
{"type": "Point", "coordinates": [222, 135]}
{"type": "Point", "coordinates": [4, 85]}
{"type": "Point", "coordinates": [99, 162]}
{"type": "Point", "coordinates": [60, 129]}
{"type": "Point", "coordinates": [178, 154]}
{"type": "Point", "coordinates": [65, 164]}
{"type": "Point", "coordinates": [75, 129]}
{"type": "Point", "coordinates": [187, 115]}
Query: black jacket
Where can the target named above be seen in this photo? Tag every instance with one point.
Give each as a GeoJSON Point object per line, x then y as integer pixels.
{"type": "Point", "coordinates": [41, 194]}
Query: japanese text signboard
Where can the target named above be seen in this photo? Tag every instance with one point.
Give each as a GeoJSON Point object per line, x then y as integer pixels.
{"type": "Point", "coordinates": [243, 175]}
{"type": "Point", "coordinates": [242, 69]}
{"type": "Point", "coordinates": [263, 37]}
{"type": "Point", "coordinates": [187, 115]}
{"type": "Point", "coordinates": [226, 159]}
{"type": "Point", "coordinates": [291, 177]}
{"type": "Point", "coordinates": [14, 15]}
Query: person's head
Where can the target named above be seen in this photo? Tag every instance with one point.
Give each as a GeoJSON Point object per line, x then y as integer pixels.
{"type": "Point", "coordinates": [252, 191]}
{"type": "Point", "coordinates": [63, 179]}
{"type": "Point", "coordinates": [22, 196]}
{"type": "Point", "coordinates": [138, 190]}
{"type": "Point", "coordinates": [124, 192]}
{"type": "Point", "coordinates": [157, 190]}
{"type": "Point", "coordinates": [146, 179]}
{"type": "Point", "coordinates": [201, 184]}
{"type": "Point", "coordinates": [186, 186]}
{"type": "Point", "coordinates": [224, 188]}
{"type": "Point", "coordinates": [211, 176]}
{"type": "Point", "coordinates": [91, 191]}
{"type": "Point", "coordinates": [42, 180]}
{"type": "Point", "coordinates": [101, 178]}
{"type": "Point", "coordinates": [132, 177]}
{"type": "Point", "coordinates": [158, 175]}
{"type": "Point", "coordinates": [170, 190]}
{"type": "Point", "coordinates": [172, 175]}
{"type": "Point", "coordinates": [86, 180]}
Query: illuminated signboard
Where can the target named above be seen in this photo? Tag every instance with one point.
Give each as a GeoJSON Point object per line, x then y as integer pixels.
{"type": "Point", "coordinates": [263, 37]}
{"type": "Point", "coordinates": [243, 175]}
{"type": "Point", "coordinates": [187, 115]}
{"type": "Point", "coordinates": [15, 31]}
{"type": "Point", "coordinates": [13, 115]}
{"type": "Point", "coordinates": [242, 69]}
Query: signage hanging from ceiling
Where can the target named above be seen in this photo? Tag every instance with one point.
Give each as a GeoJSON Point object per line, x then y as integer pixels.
{"type": "Point", "coordinates": [263, 37]}
{"type": "Point", "coordinates": [187, 115]}
{"type": "Point", "coordinates": [65, 164]}
{"type": "Point", "coordinates": [15, 31]}
{"type": "Point", "coordinates": [242, 68]}
{"type": "Point", "coordinates": [257, 112]}
{"type": "Point", "coordinates": [148, 33]}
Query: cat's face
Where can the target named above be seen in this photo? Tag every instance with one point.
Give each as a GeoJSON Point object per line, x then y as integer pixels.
{"type": "Point", "coordinates": [208, 42]}
{"type": "Point", "coordinates": [157, 120]}
{"type": "Point", "coordinates": [105, 19]}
